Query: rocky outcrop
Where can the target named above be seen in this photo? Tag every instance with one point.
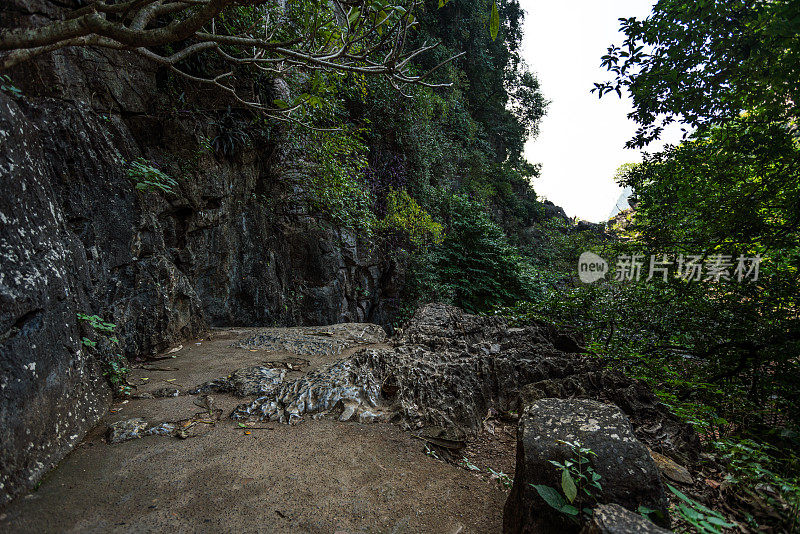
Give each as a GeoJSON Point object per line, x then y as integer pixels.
{"type": "Point", "coordinates": [614, 519]}
{"type": "Point", "coordinates": [446, 369]}
{"type": "Point", "coordinates": [654, 424]}
{"type": "Point", "coordinates": [628, 475]}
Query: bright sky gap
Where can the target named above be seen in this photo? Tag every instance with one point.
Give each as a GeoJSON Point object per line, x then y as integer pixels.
{"type": "Point", "coordinates": [582, 138]}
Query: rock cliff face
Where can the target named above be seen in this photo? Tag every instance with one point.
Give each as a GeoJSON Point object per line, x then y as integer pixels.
{"type": "Point", "coordinates": [231, 245]}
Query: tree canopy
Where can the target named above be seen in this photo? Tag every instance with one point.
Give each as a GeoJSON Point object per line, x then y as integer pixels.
{"type": "Point", "coordinates": [368, 37]}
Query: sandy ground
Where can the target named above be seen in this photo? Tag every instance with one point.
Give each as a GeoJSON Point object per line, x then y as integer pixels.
{"type": "Point", "coordinates": [318, 476]}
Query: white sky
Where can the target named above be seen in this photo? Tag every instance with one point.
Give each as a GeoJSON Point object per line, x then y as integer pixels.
{"type": "Point", "coordinates": [581, 140]}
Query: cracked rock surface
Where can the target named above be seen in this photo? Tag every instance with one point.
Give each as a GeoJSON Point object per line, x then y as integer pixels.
{"type": "Point", "coordinates": [248, 381]}
{"type": "Point", "coordinates": [448, 368]}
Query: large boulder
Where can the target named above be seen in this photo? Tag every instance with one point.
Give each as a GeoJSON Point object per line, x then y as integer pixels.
{"type": "Point", "coordinates": [653, 423]}
{"type": "Point", "coordinates": [629, 476]}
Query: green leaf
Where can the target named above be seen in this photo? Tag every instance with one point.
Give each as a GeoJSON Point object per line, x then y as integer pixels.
{"type": "Point", "coordinates": [691, 502]}
{"type": "Point", "coordinates": [569, 510]}
{"type": "Point", "coordinates": [494, 22]}
{"type": "Point", "coordinates": [550, 496]}
{"type": "Point", "coordinates": [689, 513]}
{"type": "Point", "coordinates": [719, 521]}
{"type": "Point", "coordinates": [568, 485]}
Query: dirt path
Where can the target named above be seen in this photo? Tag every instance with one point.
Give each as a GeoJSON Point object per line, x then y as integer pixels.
{"type": "Point", "coordinates": [318, 476]}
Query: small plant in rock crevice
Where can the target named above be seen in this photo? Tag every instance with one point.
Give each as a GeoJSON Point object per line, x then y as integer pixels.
{"type": "Point", "coordinates": [149, 178]}
{"type": "Point", "coordinates": [115, 367]}
{"type": "Point", "coordinates": [580, 484]}
{"type": "Point", "coordinates": [466, 464]}
{"type": "Point", "coordinates": [232, 136]}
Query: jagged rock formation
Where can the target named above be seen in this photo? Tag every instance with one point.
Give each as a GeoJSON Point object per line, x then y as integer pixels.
{"type": "Point", "coordinates": [629, 476]}
{"type": "Point", "coordinates": [246, 382]}
{"type": "Point", "coordinates": [447, 368]}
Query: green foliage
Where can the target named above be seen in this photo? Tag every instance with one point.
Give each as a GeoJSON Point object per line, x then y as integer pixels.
{"type": "Point", "coordinates": [405, 216]}
{"type": "Point", "coordinates": [337, 190]}
{"type": "Point", "coordinates": [694, 195]}
{"type": "Point", "coordinates": [115, 366]}
{"type": "Point", "coordinates": [553, 498]}
{"type": "Point", "coordinates": [754, 469]}
{"type": "Point", "coordinates": [475, 267]}
{"type": "Point", "coordinates": [503, 479]}
{"type": "Point", "coordinates": [580, 483]}
{"type": "Point", "coordinates": [96, 322]}
{"type": "Point", "coordinates": [745, 56]}
{"type": "Point", "coordinates": [702, 519]}
{"type": "Point", "coordinates": [466, 464]}
{"type": "Point", "coordinates": [116, 373]}
{"type": "Point", "coordinates": [149, 178]}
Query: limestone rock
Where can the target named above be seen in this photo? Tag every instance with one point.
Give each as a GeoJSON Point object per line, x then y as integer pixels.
{"type": "Point", "coordinates": [126, 430]}
{"type": "Point", "coordinates": [246, 382]}
{"type": "Point", "coordinates": [322, 340]}
{"type": "Point", "coordinates": [629, 475]}
{"type": "Point", "coordinates": [447, 368]}
{"type": "Point", "coordinates": [614, 519]}
{"type": "Point", "coordinates": [671, 469]}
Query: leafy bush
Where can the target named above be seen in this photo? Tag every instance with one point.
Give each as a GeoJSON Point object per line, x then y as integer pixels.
{"type": "Point", "coordinates": [475, 267]}
{"type": "Point", "coordinates": [405, 216]}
